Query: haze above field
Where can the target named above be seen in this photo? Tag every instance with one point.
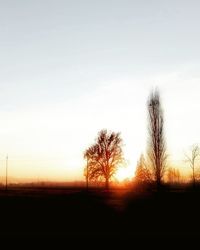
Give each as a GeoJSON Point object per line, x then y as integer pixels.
{"type": "Point", "coordinates": [71, 68]}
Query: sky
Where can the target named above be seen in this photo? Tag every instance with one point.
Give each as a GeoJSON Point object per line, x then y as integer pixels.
{"type": "Point", "coordinates": [71, 68]}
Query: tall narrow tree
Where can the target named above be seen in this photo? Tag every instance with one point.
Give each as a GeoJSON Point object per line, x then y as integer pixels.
{"type": "Point", "coordinates": [156, 143]}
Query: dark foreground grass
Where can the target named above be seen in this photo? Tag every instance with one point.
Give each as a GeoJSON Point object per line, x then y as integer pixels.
{"type": "Point", "coordinates": [119, 214]}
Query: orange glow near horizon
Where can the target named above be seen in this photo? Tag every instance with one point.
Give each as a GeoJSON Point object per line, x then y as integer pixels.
{"type": "Point", "coordinates": [124, 173]}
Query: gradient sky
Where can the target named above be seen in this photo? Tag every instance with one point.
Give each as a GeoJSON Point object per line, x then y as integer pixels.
{"type": "Point", "coordinates": [70, 68]}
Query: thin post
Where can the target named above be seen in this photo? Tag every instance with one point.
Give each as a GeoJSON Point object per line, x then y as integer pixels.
{"type": "Point", "coordinates": [87, 176]}
{"type": "Point", "coordinates": [6, 172]}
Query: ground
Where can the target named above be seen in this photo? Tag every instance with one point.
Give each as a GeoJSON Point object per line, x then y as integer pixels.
{"type": "Point", "coordinates": [74, 212]}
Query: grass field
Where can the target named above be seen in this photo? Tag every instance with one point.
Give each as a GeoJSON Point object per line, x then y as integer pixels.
{"type": "Point", "coordinates": [121, 212]}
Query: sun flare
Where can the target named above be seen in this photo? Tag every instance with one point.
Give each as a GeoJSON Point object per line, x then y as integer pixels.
{"type": "Point", "coordinates": [125, 173]}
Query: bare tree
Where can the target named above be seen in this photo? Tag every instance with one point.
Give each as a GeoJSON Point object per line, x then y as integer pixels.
{"type": "Point", "coordinates": [156, 144]}
{"type": "Point", "coordinates": [192, 159]}
{"type": "Point", "coordinates": [104, 157]}
{"type": "Point", "coordinates": [142, 173]}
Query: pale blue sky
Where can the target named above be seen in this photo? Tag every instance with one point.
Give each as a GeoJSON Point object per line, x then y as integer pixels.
{"type": "Point", "coordinates": [70, 68]}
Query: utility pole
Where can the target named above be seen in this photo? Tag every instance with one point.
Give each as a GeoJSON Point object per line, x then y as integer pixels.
{"type": "Point", "coordinates": [87, 176]}
{"type": "Point", "coordinates": [6, 172]}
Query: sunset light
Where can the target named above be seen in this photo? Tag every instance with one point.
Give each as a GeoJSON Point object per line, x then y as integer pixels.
{"type": "Point", "coordinates": [100, 121]}
{"type": "Point", "coordinates": [125, 173]}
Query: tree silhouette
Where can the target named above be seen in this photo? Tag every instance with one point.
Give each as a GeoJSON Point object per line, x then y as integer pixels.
{"type": "Point", "coordinates": [104, 156]}
{"type": "Point", "coordinates": [191, 159]}
{"type": "Point", "coordinates": [156, 144]}
{"type": "Point", "coordinates": [142, 173]}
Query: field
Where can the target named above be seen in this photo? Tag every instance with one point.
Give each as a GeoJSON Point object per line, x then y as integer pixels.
{"type": "Point", "coordinates": [124, 213]}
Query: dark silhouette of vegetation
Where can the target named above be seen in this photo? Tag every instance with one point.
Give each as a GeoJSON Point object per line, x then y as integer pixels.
{"type": "Point", "coordinates": [97, 213]}
{"type": "Point", "coordinates": [192, 159]}
{"type": "Point", "coordinates": [156, 143]}
{"type": "Point", "coordinates": [142, 173]}
{"type": "Point", "coordinates": [104, 157]}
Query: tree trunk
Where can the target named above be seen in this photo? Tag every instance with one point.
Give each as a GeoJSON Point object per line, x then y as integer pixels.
{"type": "Point", "coordinates": [107, 184]}
{"type": "Point", "coordinates": [194, 178]}
{"type": "Point", "coordinates": [158, 182]}
{"type": "Point", "coordinates": [87, 183]}
{"type": "Point", "coordinates": [87, 177]}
